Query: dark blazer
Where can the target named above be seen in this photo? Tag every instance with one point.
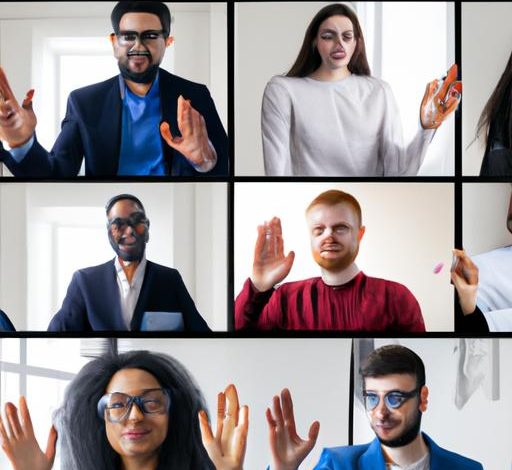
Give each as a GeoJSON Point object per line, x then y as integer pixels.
{"type": "Point", "coordinates": [92, 300]}
{"type": "Point", "coordinates": [370, 457]}
{"type": "Point", "coordinates": [92, 130]}
{"type": "Point", "coordinates": [5, 322]}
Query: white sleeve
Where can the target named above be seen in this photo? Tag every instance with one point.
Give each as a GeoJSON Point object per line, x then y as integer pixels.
{"type": "Point", "coordinates": [276, 129]}
{"type": "Point", "coordinates": [399, 160]}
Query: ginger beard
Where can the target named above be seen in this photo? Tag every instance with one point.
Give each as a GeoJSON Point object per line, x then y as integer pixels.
{"type": "Point", "coordinates": [335, 235]}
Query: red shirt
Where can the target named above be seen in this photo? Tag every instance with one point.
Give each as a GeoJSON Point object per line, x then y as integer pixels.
{"type": "Point", "coordinates": [362, 304]}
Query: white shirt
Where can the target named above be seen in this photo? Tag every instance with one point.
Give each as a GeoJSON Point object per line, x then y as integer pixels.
{"type": "Point", "coordinates": [494, 279]}
{"type": "Point", "coordinates": [129, 293]}
{"type": "Point", "coordinates": [421, 464]}
{"type": "Point", "coordinates": [349, 127]}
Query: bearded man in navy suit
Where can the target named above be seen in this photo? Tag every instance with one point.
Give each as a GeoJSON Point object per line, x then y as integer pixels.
{"type": "Point", "coordinates": [143, 122]}
{"type": "Point", "coordinates": [117, 295]}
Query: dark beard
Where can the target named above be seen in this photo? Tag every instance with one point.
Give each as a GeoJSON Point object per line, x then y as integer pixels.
{"type": "Point", "coordinates": [135, 255]}
{"type": "Point", "coordinates": [407, 436]}
{"type": "Point", "coordinates": [147, 76]}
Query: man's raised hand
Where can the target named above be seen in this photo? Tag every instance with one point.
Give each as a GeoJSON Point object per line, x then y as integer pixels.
{"type": "Point", "coordinates": [270, 266]}
{"type": "Point", "coordinates": [193, 144]}
{"type": "Point", "coordinates": [17, 123]}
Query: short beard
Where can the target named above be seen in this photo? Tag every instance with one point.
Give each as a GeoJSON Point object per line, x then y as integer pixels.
{"type": "Point", "coordinates": [338, 264]}
{"type": "Point", "coordinates": [129, 257]}
{"type": "Point", "coordinates": [148, 76]}
{"type": "Point", "coordinates": [407, 436]}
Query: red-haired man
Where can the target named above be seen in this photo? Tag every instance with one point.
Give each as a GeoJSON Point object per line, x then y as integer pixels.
{"type": "Point", "coordinates": [343, 298]}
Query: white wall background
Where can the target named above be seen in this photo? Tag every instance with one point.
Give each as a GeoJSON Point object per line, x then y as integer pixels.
{"type": "Point", "coordinates": [481, 429]}
{"type": "Point", "coordinates": [188, 232]}
{"type": "Point", "coordinates": [268, 37]}
{"type": "Point", "coordinates": [486, 47]}
{"type": "Point", "coordinates": [409, 229]}
{"type": "Point", "coordinates": [485, 209]}
{"type": "Point", "coordinates": [38, 38]}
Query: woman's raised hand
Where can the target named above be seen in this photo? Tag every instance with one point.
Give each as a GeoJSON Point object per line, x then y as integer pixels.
{"type": "Point", "coordinates": [19, 442]}
{"type": "Point", "coordinates": [227, 448]}
{"type": "Point", "coordinates": [440, 101]}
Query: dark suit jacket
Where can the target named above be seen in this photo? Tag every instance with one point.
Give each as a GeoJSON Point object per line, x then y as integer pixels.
{"type": "Point", "coordinates": [92, 130]}
{"type": "Point", "coordinates": [92, 300]}
{"type": "Point", "coordinates": [370, 457]}
{"type": "Point", "coordinates": [5, 322]}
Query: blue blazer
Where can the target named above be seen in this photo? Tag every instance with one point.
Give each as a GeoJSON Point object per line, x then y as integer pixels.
{"type": "Point", "coordinates": [370, 457]}
{"type": "Point", "coordinates": [92, 300]}
{"type": "Point", "coordinates": [92, 130]}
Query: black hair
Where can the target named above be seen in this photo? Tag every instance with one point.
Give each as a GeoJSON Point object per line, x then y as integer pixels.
{"type": "Point", "coordinates": [156, 8]}
{"type": "Point", "coordinates": [309, 59]}
{"type": "Point", "coordinates": [83, 432]}
{"type": "Point", "coordinates": [394, 359]}
{"type": "Point", "coordinates": [120, 197]}
{"type": "Point", "coordinates": [496, 117]}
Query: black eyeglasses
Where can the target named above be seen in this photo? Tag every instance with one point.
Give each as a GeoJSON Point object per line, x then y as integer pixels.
{"type": "Point", "coordinates": [118, 405]}
{"type": "Point", "coordinates": [393, 399]}
{"type": "Point", "coordinates": [128, 38]}
{"type": "Point", "coordinates": [137, 221]}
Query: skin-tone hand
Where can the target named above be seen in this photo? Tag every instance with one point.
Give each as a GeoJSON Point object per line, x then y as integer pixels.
{"type": "Point", "coordinates": [270, 266]}
{"type": "Point", "coordinates": [464, 274]}
{"type": "Point", "coordinates": [19, 443]}
{"type": "Point", "coordinates": [288, 449]}
{"type": "Point", "coordinates": [17, 123]}
{"type": "Point", "coordinates": [227, 448]}
{"type": "Point", "coordinates": [439, 102]}
{"type": "Point", "coordinates": [193, 143]}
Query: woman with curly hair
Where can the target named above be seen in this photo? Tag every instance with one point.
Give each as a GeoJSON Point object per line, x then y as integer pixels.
{"type": "Point", "coordinates": [132, 411]}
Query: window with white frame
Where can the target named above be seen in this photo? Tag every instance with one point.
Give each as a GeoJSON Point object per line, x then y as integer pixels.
{"type": "Point", "coordinates": [387, 27]}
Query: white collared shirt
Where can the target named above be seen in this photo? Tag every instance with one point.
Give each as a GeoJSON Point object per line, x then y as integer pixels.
{"type": "Point", "coordinates": [129, 294]}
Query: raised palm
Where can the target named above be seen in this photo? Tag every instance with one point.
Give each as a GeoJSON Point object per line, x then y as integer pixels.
{"type": "Point", "coordinates": [227, 448]}
{"type": "Point", "coordinates": [270, 265]}
{"type": "Point", "coordinates": [19, 442]}
{"type": "Point", "coordinates": [440, 101]}
{"type": "Point", "coordinates": [287, 447]}
{"type": "Point", "coordinates": [17, 123]}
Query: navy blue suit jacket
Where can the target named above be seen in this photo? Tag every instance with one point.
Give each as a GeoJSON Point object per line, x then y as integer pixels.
{"type": "Point", "coordinates": [370, 457]}
{"type": "Point", "coordinates": [5, 322]}
{"type": "Point", "coordinates": [92, 130]}
{"type": "Point", "coordinates": [92, 300]}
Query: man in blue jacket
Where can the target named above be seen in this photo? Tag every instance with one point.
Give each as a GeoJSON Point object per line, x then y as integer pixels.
{"type": "Point", "coordinates": [144, 122]}
{"type": "Point", "coordinates": [125, 292]}
{"type": "Point", "coordinates": [395, 397]}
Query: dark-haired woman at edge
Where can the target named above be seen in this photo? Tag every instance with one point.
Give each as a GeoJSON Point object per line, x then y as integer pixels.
{"type": "Point", "coordinates": [496, 122]}
{"type": "Point", "coordinates": [329, 116]}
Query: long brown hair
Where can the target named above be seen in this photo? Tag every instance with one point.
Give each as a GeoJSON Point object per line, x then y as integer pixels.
{"type": "Point", "coordinates": [496, 117]}
{"type": "Point", "coordinates": [309, 59]}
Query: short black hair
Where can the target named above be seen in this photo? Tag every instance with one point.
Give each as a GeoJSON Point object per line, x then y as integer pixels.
{"type": "Point", "coordinates": [156, 8]}
{"type": "Point", "coordinates": [120, 197]}
{"type": "Point", "coordinates": [394, 359]}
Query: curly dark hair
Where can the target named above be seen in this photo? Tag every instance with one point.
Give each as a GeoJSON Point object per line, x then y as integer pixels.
{"type": "Point", "coordinates": [82, 432]}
